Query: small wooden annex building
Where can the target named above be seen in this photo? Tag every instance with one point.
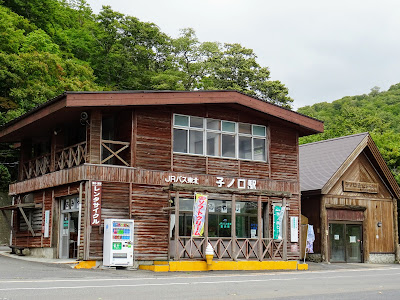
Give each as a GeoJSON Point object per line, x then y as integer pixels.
{"type": "Point", "coordinates": [152, 151]}
{"type": "Point", "coordinates": [350, 197]}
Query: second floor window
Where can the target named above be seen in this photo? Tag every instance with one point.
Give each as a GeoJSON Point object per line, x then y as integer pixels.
{"type": "Point", "coordinates": [219, 138]}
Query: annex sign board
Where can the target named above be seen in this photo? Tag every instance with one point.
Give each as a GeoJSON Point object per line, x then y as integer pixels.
{"type": "Point", "coordinates": [360, 187]}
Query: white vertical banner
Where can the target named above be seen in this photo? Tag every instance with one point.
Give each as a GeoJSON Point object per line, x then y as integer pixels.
{"type": "Point", "coordinates": [199, 214]}
{"type": "Point", "coordinates": [294, 229]}
{"type": "Point", "coordinates": [46, 223]}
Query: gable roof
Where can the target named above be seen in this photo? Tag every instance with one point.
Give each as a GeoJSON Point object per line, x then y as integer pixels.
{"type": "Point", "coordinates": [78, 101]}
{"type": "Point", "coordinates": [322, 162]}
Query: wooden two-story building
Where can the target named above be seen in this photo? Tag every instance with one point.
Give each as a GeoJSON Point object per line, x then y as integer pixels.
{"type": "Point", "coordinates": [152, 151]}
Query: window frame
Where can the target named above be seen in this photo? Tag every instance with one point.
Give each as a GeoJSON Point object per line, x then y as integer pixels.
{"type": "Point", "coordinates": [220, 132]}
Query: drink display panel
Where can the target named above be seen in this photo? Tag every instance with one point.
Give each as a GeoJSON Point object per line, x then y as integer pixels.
{"type": "Point", "coordinates": [118, 242]}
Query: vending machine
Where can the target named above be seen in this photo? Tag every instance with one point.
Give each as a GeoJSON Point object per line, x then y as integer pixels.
{"type": "Point", "coordinates": [118, 243]}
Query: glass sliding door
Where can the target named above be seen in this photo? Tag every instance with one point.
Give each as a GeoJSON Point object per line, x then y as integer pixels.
{"type": "Point", "coordinates": [345, 242]}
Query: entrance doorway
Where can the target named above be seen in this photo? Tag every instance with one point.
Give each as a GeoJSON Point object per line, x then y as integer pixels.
{"type": "Point", "coordinates": [345, 242]}
{"type": "Point", "coordinates": [69, 227]}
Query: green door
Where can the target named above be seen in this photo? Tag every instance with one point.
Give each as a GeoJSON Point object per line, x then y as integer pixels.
{"type": "Point", "coordinates": [345, 242]}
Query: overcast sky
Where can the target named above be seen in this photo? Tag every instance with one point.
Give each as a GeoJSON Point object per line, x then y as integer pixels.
{"type": "Point", "coordinates": [321, 50]}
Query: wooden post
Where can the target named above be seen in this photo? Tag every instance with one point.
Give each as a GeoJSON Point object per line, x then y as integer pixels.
{"type": "Point", "coordinates": [233, 228]}
{"type": "Point", "coordinates": [94, 148]}
{"type": "Point", "coordinates": [284, 229]}
{"type": "Point", "coordinates": [396, 230]}
{"type": "Point", "coordinates": [88, 228]}
{"type": "Point", "coordinates": [365, 239]}
{"type": "Point", "coordinates": [324, 229]}
{"type": "Point", "coordinates": [259, 226]}
{"type": "Point", "coordinates": [133, 138]}
{"type": "Point", "coordinates": [26, 149]}
{"type": "Point", "coordinates": [176, 226]}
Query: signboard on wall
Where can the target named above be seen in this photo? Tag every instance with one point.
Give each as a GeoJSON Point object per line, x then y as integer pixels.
{"type": "Point", "coordinates": [361, 187]}
{"type": "Point", "coordinates": [275, 219]}
{"type": "Point", "coordinates": [95, 216]}
{"type": "Point", "coordinates": [46, 223]}
{"type": "Point", "coordinates": [294, 229]}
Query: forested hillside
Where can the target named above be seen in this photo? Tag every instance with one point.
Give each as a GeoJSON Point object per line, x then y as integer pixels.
{"type": "Point", "coordinates": [51, 46]}
{"type": "Point", "coordinates": [376, 112]}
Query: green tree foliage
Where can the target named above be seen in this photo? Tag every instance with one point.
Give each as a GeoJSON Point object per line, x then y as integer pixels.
{"type": "Point", "coordinates": [377, 113]}
{"type": "Point", "coordinates": [213, 66]}
{"type": "Point", "coordinates": [49, 46]}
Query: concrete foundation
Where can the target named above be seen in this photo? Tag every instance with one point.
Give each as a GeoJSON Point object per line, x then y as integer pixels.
{"type": "Point", "coordinates": [378, 258]}
{"type": "Point", "coordinates": [41, 252]}
{"type": "Point", "coordinates": [314, 257]}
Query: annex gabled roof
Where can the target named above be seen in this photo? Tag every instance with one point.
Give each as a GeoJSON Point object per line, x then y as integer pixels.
{"type": "Point", "coordinates": [68, 102]}
{"type": "Point", "coordinates": [322, 162]}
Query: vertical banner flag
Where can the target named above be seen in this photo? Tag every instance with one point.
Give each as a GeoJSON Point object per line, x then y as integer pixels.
{"type": "Point", "coordinates": [96, 204]}
{"type": "Point", "coordinates": [310, 239]}
{"type": "Point", "coordinates": [199, 214]}
{"type": "Point", "coordinates": [279, 211]}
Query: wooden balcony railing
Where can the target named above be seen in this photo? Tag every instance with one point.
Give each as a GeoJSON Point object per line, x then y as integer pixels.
{"type": "Point", "coordinates": [71, 156]}
{"type": "Point", "coordinates": [229, 248]}
{"type": "Point", "coordinates": [36, 167]}
{"type": "Point", "coordinates": [110, 147]}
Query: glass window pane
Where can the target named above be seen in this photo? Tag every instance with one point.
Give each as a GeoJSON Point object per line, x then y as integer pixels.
{"type": "Point", "coordinates": [196, 142]}
{"type": "Point", "coordinates": [244, 147]}
{"type": "Point", "coordinates": [213, 124]}
{"type": "Point", "coordinates": [258, 130]}
{"type": "Point", "coordinates": [244, 128]}
{"type": "Point", "coordinates": [246, 219]}
{"type": "Point", "coordinates": [196, 122]}
{"type": "Point", "coordinates": [228, 126]}
{"type": "Point", "coordinates": [219, 218]}
{"type": "Point", "coordinates": [185, 224]}
{"type": "Point", "coordinates": [181, 120]}
{"type": "Point", "coordinates": [180, 140]}
{"type": "Point", "coordinates": [186, 204]}
{"type": "Point", "coordinates": [213, 144]}
{"type": "Point", "coordinates": [259, 149]}
{"type": "Point", "coordinates": [228, 145]}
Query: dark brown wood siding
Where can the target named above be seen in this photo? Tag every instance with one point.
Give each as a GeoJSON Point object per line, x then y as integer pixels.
{"type": "Point", "coordinates": [153, 139]}
{"type": "Point", "coordinates": [284, 153]}
{"type": "Point", "coordinates": [151, 222]}
{"type": "Point", "coordinates": [114, 205]}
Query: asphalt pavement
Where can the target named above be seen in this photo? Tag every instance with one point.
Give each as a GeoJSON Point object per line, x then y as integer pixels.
{"type": "Point", "coordinates": [312, 266]}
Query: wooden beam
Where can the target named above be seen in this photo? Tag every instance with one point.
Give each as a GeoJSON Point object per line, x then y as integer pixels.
{"type": "Point", "coordinates": [233, 228]}
{"type": "Point", "coordinates": [176, 234]}
{"type": "Point", "coordinates": [348, 207]}
{"type": "Point", "coordinates": [26, 220]}
{"type": "Point", "coordinates": [284, 229]}
{"type": "Point", "coordinates": [259, 226]}
{"type": "Point", "coordinates": [217, 190]}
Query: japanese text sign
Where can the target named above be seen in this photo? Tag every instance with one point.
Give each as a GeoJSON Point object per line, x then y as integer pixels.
{"type": "Point", "coordinates": [95, 217]}
{"type": "Point", "coordinates": [199, 214]}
